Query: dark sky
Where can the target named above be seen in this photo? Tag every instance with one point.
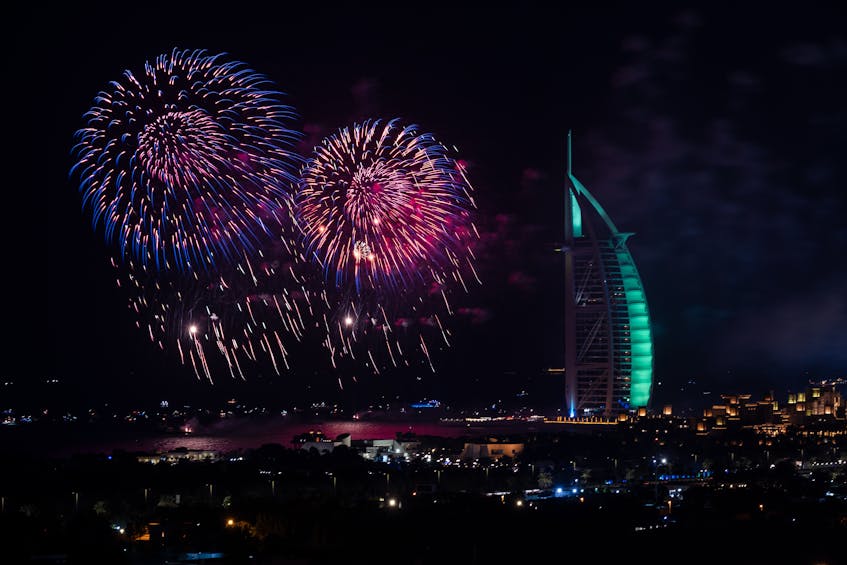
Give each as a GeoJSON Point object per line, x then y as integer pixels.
{"type": "Point", "coordinates": [717, 133]}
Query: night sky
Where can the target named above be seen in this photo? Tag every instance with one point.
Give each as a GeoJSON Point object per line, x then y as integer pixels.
{"type": "Point", "coordinates": [717, 134]}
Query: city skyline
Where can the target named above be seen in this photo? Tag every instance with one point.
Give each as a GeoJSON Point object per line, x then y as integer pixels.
{"type": "Point", "coordinates": [737, 210]}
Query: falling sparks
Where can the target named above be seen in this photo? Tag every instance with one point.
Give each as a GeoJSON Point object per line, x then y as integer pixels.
{"type": "Point", "coordinates": [187, 169]}
{"type": "Point", "coordinates": [385, 212]}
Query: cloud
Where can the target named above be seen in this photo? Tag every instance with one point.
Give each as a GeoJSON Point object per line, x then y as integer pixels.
{"type": "Point", "coordinates": [476, 315]}
{"type": "Point", "coordinates": [521, 281]}
{"type": "Point", "coordinates": [801, 331]}
{"type": "Point", "coordinates": [816, 54]}
{"type": "Point", "coordinates": [733, 184]}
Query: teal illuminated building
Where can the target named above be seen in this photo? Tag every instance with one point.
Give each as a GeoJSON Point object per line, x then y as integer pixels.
{"type": "Point", "coordinates": [608, 340]}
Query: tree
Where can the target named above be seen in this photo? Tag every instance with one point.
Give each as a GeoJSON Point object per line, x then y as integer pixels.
{"type": "Point", "coordinates": [545, 480]}
{"type": "Point", "coordinates": [101, 508]}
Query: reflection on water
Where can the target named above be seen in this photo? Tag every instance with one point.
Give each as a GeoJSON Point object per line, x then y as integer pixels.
{"type": "Point", "coordinates": [241, 434]}
{"type": "Point", "coordinates": [283, 432]}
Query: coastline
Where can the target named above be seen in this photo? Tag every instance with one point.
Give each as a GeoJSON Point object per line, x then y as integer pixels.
{"type": "Point", "coordinates": [236, 433]}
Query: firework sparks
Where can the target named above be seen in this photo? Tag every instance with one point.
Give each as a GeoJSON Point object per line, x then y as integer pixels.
{"type": "Point", "coordinates": [185, 165]}
{"type": "Point", "coordinates": [247, 313]}
{"type": "Point", "coordinates": [188, 169]}
{"type": "Point", "coordinates": [386, 213]}
{"type": "Point", "coordinates": [382, 205]}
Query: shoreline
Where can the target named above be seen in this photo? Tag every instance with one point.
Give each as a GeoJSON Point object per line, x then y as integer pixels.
{"type": "Point", "coordinates": [235, 434]}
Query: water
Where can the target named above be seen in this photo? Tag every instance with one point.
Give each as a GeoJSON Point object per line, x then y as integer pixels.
{"type": "Point", "coordinates": [230, 435]}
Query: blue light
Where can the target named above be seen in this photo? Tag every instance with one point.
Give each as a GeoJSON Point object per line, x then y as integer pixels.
{"type": "Point", "coordinates": [200, 555]}
{"type": "Point", "coordinates": [427, 404]}
{"type": "Point", "coordinates": [559, 490]}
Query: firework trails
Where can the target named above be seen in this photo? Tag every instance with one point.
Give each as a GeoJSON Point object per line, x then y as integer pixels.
{"type": "Point", "coordinates": [185, 165]}
{"type": "Point", "coordinates": [188, 169]}
{"type": "Point", "coordinates": [386, 214]}
{"type": "Point", "coordinates": [227, 255]}
{"type": "Point", "coordinates": [251, 313]}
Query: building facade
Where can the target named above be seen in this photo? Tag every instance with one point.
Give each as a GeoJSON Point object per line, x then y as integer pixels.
{"type": "Point", "coordinates": [608, 337]}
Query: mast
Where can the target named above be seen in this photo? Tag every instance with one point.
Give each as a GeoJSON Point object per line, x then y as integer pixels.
{"type": "Point", "coordinates": [570, 292]}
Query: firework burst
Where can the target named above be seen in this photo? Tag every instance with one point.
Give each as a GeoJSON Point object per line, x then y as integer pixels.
{"type": "Point", "coordinates": [386, 213]}
{"type": "Point", "coordinates": [187, 164]}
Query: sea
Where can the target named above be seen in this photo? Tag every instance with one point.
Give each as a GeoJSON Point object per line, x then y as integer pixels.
{"type": "Point", "coordinates": [230, 435]}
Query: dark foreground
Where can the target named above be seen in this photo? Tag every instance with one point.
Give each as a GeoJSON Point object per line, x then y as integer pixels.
{"type": "Point", "coordinates": [566, 498]}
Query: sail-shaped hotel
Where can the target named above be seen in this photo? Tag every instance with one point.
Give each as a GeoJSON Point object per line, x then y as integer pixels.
{"type": "Point", "coordinates": [608, 337]}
